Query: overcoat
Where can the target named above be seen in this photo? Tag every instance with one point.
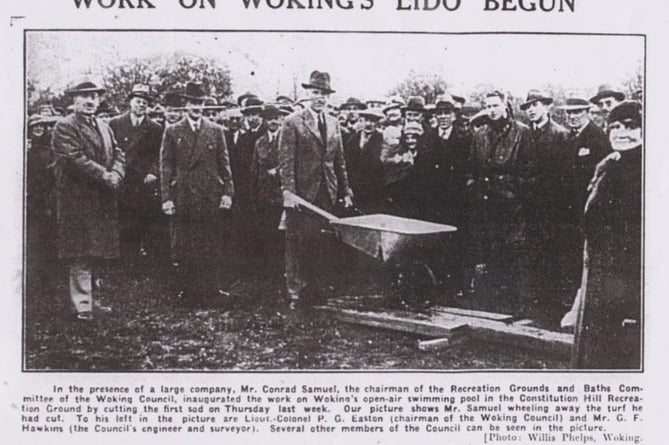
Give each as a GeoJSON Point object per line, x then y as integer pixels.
{"type": "Point", "coordinates": [306, 161]}
{"type": "Point", "coordinates": [502, 167]}
{"type": "Point", "coordinates": [365, 171]}
{"type": "Point", "coordinates": [441, 172]}
{"type": "Point", "coordinates": [266, 187]}
{"type": "Point", "coordinates": [609, 330]}
{"type": "Point", "coordinates": [141, 146]}
{"type": "Point", "coordinates": [195, 174]}
{"type": "Point", "coordinates": [86, 208]}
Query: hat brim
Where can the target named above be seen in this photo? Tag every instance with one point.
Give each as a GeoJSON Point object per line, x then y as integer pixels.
{"type": "Point", "coordinates": [86, 91]}
{"type": "Point", "coordinates": [609, 93]}
{"type": "Point", "coordinates": [544, 100]}
{"type": "Point", "coordinates": [421, 110]}
{"type": "Point", "coordinates": [141, 96]}
{"type": "Point", "coordinates": [252, 109]}
{"type": "Point", "coordinates": [575, 107]}
{"type": "Point", "coordinates": [195, 98]}
{"type": "Point", "coordinates": [318, 87]}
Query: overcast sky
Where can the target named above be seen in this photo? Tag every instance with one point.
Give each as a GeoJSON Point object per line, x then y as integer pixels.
{"type": "Point", "coordinates": [362, 65]}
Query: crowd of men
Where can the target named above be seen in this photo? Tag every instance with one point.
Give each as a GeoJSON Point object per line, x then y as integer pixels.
{"type": "Point", "coordinates": [220, 179]}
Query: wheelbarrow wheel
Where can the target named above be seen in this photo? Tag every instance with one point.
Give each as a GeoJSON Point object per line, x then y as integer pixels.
{"type": "Point", "coordinates": [413, 285]}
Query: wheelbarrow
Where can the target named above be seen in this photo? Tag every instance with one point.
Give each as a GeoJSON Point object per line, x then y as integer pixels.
{"type": "Point", "coordinates": [409, 249]}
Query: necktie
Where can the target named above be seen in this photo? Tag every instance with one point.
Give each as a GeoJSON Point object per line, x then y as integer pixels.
{"type": "Point", "coordinates": [321, 128]}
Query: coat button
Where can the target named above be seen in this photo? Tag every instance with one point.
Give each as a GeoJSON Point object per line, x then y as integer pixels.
{"type": "Point", "coordinates": [485, 197]}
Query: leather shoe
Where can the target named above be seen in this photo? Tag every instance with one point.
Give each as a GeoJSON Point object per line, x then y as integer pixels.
{"type": "Point", "coordinates": [101, 308]}
{"type": "Point", "coordinates": [84, 316]}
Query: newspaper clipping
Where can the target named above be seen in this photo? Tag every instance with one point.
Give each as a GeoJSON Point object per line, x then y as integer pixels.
{"type": "Point", "coordinates": [333, 220]}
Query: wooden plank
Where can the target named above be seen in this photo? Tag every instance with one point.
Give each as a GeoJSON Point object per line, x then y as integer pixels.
{"type": "Point", "coordinates": [524, 322]}
{"type": "Point", "coordinates": [436, 344]}
{"type": "Point", "coordinates": [473, 313]}
{"type": "Point", "coordinates": [522, 336]}
{"type": "Point", "coordinates": [399, 321]}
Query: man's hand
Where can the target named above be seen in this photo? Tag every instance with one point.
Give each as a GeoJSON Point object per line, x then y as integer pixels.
{"type": "Point", "coordinates": [112, 179]}
{"type": "Point", "coordinates": [168, 208]}
{"type": "Point", "coordinates": [150, 178]}
{"type": "Point", "coordinates": [226, 202]}
{"type": "Point", "coordinates": [348, 202]}
{"type": "Point", "coordinates": [288, 201]}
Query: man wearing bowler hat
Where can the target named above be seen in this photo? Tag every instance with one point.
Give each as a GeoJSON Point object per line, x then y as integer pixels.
{"type": "Point", "coordinates": [312, 166]}
{"type": "Point", "coordinates": [196, 186]}
{"type": "Point", "coordinates": [89, 171]}
{"type": "Point", "coordinates": [139, 206]}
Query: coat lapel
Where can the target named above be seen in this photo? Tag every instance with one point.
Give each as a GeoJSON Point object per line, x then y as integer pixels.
{"type": "Point", "coordinates": [199, 141]}
{"type": "Point", "coordinates": [94, 137]}
{"type": "Point", "coordinates": [312, 125]}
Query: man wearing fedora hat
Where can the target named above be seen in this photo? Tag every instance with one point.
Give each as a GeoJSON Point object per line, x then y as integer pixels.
{"type": "Point", "coordinates": [312, 166]}
{"type": "Point", "coordinates": [265, 191]}
{"type": "Point", "coordinates": [414, 110]}
{"type": "Point", "coordinates": [362, 151]}
{"type": "Point", "coordinates": [196, 186]}
{"type": "Point", "coordinates": [548, 144]}
{"type": "Point", "coordinates": [585, 147]}
{"type": "Point", "coordinates": [349, 111]}
{"type": "Point", "coordinates": [89, 171]}
{"type": "Point", "coordinates": [607, 98]}
{"type": "Point", "coordinates": [139, 205]}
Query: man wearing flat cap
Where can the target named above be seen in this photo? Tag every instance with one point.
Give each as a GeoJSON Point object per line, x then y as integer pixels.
{"type": "Point", "coordinates": [197, 188]}
{"type": "Point", "coordinates": [89, 169]}
{"type": "Point", "coordinates": [312, 166]}
{"type": "Point", "coordinates": [362, 151]}
{"type": "Point", "coordinates": [139, 206]}
{"type": "Point", "coordinates": [549, 146]}
{"type": "Point", "coordinates": [609, 325]}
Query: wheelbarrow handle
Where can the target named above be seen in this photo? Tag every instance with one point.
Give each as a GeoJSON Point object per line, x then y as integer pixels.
{"type": "Point", "coordinates": [312, 208]}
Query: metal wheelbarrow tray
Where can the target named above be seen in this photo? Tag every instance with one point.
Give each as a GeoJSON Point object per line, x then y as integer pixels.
{"type": "Point", "coordinates": [390, 238]}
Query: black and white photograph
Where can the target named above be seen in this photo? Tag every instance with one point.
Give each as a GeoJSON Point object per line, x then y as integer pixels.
{"type": "Point", "coordinates": [225, 201]}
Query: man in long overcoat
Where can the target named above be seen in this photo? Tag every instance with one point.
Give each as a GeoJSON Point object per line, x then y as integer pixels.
{"type": "Point", "coordinates": [608, 334]}
{"type": "Point", "coordinates": [547, 232]}
{"type": "Point", "coordinates": [196, 185]}
{"type": "Point", "coordinates": [89, 169]}
{"type": "Point", "coordinates": [362, 151]}
{"type": "Point", "coordinates": [139, 138]}
{"type": "Point", "coordinates": [502, 167]}
{"type": "Point", "coordinates": [312, 166]}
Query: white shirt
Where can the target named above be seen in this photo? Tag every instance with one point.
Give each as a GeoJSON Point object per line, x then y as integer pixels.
{"type": "Point", "coordinates": [445, 134]}
{"type": "Point", "coordinates": [136, 121]}
{"type": "Point", "coordinates": [194, 125]}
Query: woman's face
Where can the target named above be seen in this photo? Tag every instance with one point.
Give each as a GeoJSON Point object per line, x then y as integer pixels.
{"type": "Point", "coordinates": [37, 131]}
{"type": "Point", "coordinates": [625, 135]}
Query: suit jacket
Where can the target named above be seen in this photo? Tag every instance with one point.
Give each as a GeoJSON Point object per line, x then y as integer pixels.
{"type": "Point", "coordinates": [266, 188]}
{"type": "Point", "coordinates": [584, 151]}
{"type": "Point", "coordinates": [240, 164]}
{"type": "Point", "coordinates": [195, 174]}
{"type": "Point", "coordinates": [365, 171]}
{"type": "Point", "coordinates": [142, 150]}
{"type": "Point", "coordinates": [549, 145]}
{"type": "Point", "coordinates": [440, 174]}
{"type": "Point", "coordinates": [307, 162]}
{"type": "Point", "coordinates": [86, 208]}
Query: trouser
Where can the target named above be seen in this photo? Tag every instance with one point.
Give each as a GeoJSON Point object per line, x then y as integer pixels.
{"type": "Point", "coordinates": [304, 245]}
{"type": "Point", "coordinates": [81, 284]}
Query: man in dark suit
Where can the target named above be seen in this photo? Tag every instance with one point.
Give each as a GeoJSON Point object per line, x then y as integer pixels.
{"type": "Point", "coordinates": [139, 138]}
{"type": "Point", "coordinates": [89, 170]}
{"type": "Point", "coordinates": [548, 144]}
{"type": "Point", "coordinates": [362, 151]}
{"type": "Point", "coordinates": [586, 146]}
{"type": "Point", "coordinates": [312, 166]}
{"type": "Point", "coordinates": [196, 185]}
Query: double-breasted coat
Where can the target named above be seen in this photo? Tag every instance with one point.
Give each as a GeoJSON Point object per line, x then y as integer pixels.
{"type": "Point", "coordinates": [141, 146]}
{"type": "Point", "coordinates": [502, 165]}
{"type": "Point", "coordinates": [608, 334]}
{"type": "Point", "coordinates": [86, 207]}
{"type": "Point", "coordinates": [195, 174]}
